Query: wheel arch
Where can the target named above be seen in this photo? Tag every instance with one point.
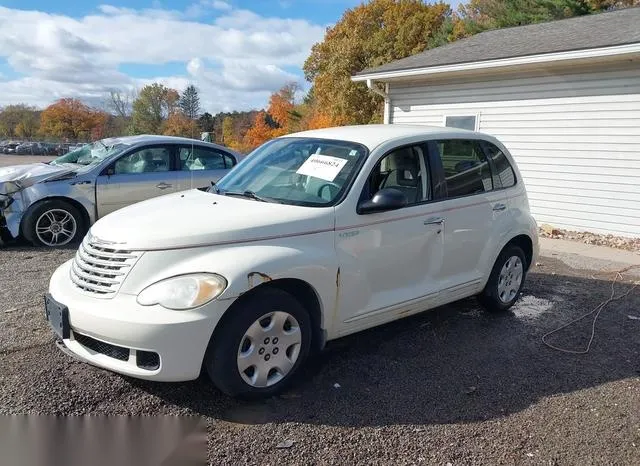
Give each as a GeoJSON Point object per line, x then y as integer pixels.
{"type": "Point", "coordinates": [525, 243]}
{"type": "Point", "coordinates": [302, 291]}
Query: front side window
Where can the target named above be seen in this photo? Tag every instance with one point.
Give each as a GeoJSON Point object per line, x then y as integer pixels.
{"type": "Point", "coordinates": [504, 176]}
{"type": "Point", "coordinates": [466, 169]}
{"type": "Point", "coordinates": [300, 171]}
{"type": "Point", "coordinates": [199, 158]}
{"type": "Point", "coordinates": [403, 169]}
{"type": "Point", "coordinates": [90, 154]}
{"type": "Point", "coordinates": [146, 160]}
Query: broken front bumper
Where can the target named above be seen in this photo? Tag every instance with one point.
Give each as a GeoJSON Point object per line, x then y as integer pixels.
{"type": "Point", "coordinates": [10, 217]}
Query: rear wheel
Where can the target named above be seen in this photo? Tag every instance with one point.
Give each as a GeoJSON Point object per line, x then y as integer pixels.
{"type": "Point", "coordinates": [259, 348]}
{"type": "Point", "coordinates": [53, 223]}
{"type": "Point", "coordinates": [506, 280]}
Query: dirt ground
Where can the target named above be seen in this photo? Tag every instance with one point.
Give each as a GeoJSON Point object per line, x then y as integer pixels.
{"type": "Point", "coordinates": [452, 386]}
{"type": "Point", "coordinates": [6, 159]}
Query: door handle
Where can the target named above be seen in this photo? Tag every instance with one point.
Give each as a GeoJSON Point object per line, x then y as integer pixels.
{"type": "Point", "coordinates": [163, 185]}
{"type": "Point", "coordinates": [498, 207]}
{"type": "Point", "coordinates": [434, 221]}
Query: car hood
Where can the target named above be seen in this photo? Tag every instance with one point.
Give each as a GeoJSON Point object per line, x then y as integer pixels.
{"type": "Point", "coordinates": [30, 174]}
{"type": "Point", "coordinates": [196, 218]}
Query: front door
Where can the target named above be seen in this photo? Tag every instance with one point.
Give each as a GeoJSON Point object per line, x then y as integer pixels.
{"type": "Point", "coordinates": [389, 261]}
{"type": "Point", "coordinates": [136, 176]}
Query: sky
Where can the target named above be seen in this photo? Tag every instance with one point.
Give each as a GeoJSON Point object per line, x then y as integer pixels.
{"type": "Point", "coordinates": [236, 52]}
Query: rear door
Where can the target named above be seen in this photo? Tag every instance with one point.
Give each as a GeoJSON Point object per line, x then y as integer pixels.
{"type": "Point", "coordinates": [198, 166]}
{"type": "Point", "coordinates": [473, 213]}
{"type": "Point", "coordinates": [138, 175]}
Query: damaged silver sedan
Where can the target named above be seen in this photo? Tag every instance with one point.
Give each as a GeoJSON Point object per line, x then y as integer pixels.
{"type": "Point", "coordinates": [53, 204]}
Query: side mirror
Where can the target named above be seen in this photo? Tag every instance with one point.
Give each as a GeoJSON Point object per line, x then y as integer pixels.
{"type": "Point", "coordinates": [383, 200]}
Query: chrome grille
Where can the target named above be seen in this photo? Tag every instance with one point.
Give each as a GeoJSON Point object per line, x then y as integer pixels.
{"type": "Point", "coordinates": [101, 268]}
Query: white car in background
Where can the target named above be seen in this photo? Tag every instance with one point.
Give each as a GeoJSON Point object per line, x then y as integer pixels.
{"type": "Point", "coordinates": [315, 236]}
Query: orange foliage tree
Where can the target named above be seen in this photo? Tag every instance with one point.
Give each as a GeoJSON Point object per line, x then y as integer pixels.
{"type": "Point", "coordinates": [100, 128]}
{"type": "Point", "coordinates": [177, 124]}
{"type": "Point", "coordinates": [259, 133]}
{"type": "Point", "coordinates": [70, 118]}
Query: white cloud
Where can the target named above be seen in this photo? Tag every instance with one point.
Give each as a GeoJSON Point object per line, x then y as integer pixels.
{"type": "Point", "coordinates": [236, 61]}
{"type": "Point", "coordinates": [220, 5]}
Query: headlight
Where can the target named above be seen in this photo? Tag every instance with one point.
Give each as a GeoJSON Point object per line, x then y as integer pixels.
{"type": "Point", "coordinates": [184, 291]}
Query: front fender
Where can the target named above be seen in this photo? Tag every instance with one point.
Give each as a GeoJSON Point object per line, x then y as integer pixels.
{"type": "Point", "coordinates": [310, 258]}
{"type": "Point", "coordinates": [74, 189]}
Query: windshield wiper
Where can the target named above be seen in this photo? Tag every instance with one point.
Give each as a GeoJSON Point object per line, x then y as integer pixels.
{"type": "Point", "coordinates": [248, 194]}
{"type": "Point", "coordinates": [215, 187]}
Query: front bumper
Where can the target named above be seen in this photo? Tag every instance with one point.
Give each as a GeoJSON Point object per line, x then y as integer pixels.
{"type": "Point", "coordinates": [179, 338]}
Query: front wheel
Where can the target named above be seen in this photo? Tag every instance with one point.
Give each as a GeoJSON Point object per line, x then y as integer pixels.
{"type": "Point", "coordinates": [506, 280]}
{"type": "Point", "coordinates": [53, 223]}
{"type": "Point", "coordinates": [259, 348]}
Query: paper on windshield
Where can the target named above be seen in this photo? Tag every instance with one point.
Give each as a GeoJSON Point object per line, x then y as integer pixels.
{"type": "Point", "coordinates": [321, 166]}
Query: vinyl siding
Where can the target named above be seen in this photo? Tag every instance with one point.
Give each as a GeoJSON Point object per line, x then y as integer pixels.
{"type": "Point", "coordinates": [575, 136]}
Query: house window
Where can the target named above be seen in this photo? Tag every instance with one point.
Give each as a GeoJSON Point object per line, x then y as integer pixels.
{"type": "Point", "coordinates": [461, 121]}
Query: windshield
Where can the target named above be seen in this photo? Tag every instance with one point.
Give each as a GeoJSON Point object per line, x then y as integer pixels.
{"type": "Point", "coordinates": [90, 154]}
{"type": "Point", "coordinates": [299, 171]}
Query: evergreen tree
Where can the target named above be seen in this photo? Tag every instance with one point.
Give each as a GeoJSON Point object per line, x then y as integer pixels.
{"type": "Point", "coordinates": [190, 102]}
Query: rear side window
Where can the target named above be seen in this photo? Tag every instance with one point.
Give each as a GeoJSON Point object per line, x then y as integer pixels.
{"type": "Point", "coordinates": [504, 176]}
{"type": "Point", "coordinates": [229, 161]}
{"type": "Point", "coordinates": [199, 158]}
{"type": "Point", "coordinates": [466, 168]}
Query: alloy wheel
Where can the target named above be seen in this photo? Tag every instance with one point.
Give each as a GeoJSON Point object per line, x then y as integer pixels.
{"type": "Point", "coordinates": [56, 227]}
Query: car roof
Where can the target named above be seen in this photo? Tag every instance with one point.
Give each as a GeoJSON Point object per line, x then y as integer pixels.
{"type": "Point", "coordinates": [154, 138]}
{"type": "Point", "coordinates": [372, 136]}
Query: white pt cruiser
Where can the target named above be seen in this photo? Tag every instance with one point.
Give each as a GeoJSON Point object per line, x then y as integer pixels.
{"type": "Point", "coordinates": [314, 236]}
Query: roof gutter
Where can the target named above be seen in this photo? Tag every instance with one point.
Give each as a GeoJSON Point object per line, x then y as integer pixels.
{"type": "Point", "coordinates": [602, 52]}
{"type": "Point", "coordinates": [385, 95]}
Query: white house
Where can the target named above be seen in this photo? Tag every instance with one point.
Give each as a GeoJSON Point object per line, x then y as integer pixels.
{"type": "Point", "coordinates": [563, 96]}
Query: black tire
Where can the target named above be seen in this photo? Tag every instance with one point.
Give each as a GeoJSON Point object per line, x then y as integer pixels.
{"type": "Point", "coordinates": [37, 210]}
{"type": "Point", "coordinates": [221, 359]}
{"type": "Point", "coordinates": [490, 297]}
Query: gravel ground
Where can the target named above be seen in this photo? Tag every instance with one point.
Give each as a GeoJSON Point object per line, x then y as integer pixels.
{"type": "Point", "coordinates": [451, 386]}
{"type": "Point", "coordinates": [612, 241]}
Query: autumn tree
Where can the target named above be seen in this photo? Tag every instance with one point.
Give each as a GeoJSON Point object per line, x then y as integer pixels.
{"type": "Point", "coordinates": [103, 126]}
{"type": "Point", "coordinates": [190, 102]}
{"type": "Point", "coordinates": [282, 109]}
{"type": "Point", "coordinates": [154, 104]}
{"type": "Point", "coordinates": [177, 124]}
{"type": "Point", "coordinates": [227, 132]}
{"type": "Point", "coordinates": [259, 133]}
{"type": "Point", "coordinates": [70, 118]}
{"type": "Point", "coordinates": [368, 35]}
{"type": "Point", "coordinates": [19, 120]}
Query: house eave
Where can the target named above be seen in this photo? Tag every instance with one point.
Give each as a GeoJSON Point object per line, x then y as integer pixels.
{"type": "Point", "coordinates": [603, 53]}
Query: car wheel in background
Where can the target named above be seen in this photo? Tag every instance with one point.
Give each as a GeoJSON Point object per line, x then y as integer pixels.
{"type": "Point", "coordinates": [506, 280]}
{"type": "Point", "coordinates": [260, 345]}
{"type": "Point", "coordinates": [53, 223]}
